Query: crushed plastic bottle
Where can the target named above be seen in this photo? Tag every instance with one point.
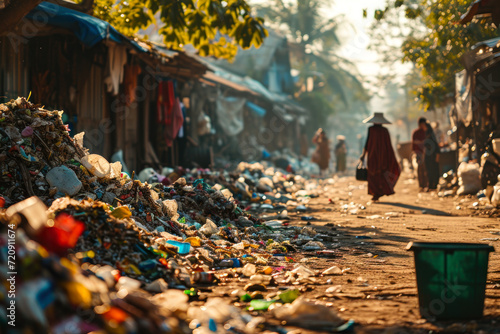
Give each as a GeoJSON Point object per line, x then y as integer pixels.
{"type": "Point", "coordinates": [289, 296]}
{"type": "Point", "coordinates": [96, 164]}
{"type": "Point", "coordinates": [313, 245]}
{"type": "Point", "coordinates": [303, 271]}
{"type": "Point", "coordinates": [261, 279]}
{"type": "Point", "coordinates": [261, 304]}
{"type": "Point", "coordinates": [308, 315]}
{"type": "Point", "coordinates": [249, 269]}
{"type": "Point", "coordinates": [209, 228]}
{"type": "Point", "coordinates": [332, 271]}
{"type": "Point", "coordinates": [274, 223]}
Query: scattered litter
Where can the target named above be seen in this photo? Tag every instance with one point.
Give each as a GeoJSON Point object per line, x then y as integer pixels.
{"type": "Point", "coordinates": [332, 271]}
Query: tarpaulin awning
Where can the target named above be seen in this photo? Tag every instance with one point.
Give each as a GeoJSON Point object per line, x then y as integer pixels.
{"type": "Point", "coordinates": [259, 111]}
{"type": "Point", "coordinates": [88, 29]}
{"type": "Point", "coordinates": [249, 85]}
{"type": "Point", "coordinates": [211, 76]}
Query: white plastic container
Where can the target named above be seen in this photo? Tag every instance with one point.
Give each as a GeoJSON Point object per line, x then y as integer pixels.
{"type": "Point", "coordinates": [96, 164]}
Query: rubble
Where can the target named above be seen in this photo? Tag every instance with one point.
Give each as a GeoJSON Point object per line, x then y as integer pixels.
{"type": "Point", "coordinates": [126, 256]}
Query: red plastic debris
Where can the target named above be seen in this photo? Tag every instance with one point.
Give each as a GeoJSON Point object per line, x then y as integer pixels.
{"type": "Point", "coordinates": [63, 235]}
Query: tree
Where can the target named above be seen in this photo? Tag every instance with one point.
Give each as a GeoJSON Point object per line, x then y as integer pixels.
{"type": "Point", "coordinates": [387, 33]}
{"type": "Point", "coordinates": [436, 50]}
{"type": "Point", "coordinates": [213, 27]}
{"type": "Point", "coordinates": [313, 40]}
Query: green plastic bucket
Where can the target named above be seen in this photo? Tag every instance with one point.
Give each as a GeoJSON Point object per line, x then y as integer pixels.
{"type": "Point", "coordinates": [451, 279]}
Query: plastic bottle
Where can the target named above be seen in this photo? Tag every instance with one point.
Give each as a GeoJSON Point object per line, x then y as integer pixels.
{"type": "Point", "coordinates": [249, 269]}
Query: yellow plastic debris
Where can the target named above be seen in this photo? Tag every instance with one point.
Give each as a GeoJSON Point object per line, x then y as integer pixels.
{"type": "Point", "coordinates": [121, 212]}
{"type": "Point", "coordinates": [194, 241]}
{"type": "Point", "coordinates": [78, 294]}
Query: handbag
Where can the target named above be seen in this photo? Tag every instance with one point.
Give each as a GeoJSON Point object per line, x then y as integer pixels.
{"type": "Point", "coordinates": [361, 172]}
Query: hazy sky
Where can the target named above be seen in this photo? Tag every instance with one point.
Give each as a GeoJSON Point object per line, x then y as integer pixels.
{"type": "Point", "coordinates": [355, 36]}
{"type": "Point", "coordinates": [356, 39]}
{"type": "Point", "coordinates": [355, 46]}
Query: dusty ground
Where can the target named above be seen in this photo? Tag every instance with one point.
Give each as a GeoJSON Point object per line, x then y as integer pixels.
{"type": "Point", "coordinates": [379, 291]}
{"type": "Point", "coordinates": [389, 299]}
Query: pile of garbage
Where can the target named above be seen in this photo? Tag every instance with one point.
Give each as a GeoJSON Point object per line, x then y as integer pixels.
{"type": "Point", "coordinates": [117, 254]}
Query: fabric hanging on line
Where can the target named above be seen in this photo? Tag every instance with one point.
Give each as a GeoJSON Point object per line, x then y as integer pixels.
{"type": "Point", "coordinates": [117, 58]}
{"type": "Point", "coordinates": [175, 124]}
{"type": "Point", "coordinates": [171, 100]}
{"type": "Point", "coordinates": [230, 114]}
{"type": "Point", "coordinates": [463, 98]}
{"type": "Point", "coordinates": [130, 82]}
{"type": "Point", "coordinates": [165, 102]}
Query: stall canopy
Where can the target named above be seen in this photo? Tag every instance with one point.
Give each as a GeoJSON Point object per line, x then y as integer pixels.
{"type": "Point", "coordinates": [478, 81]}
{"type": "Point", "coordinates": [88, 29]}
{"type": "Point", "coordinates": [480, 53]}
{"type": "Point", "coordinates": [249, 85]}
{"type": "Point", "coordinates": [259, 111]}
{"type": "Point", "coordinates": [91, 30]}
{"type": "Point", "coordinates": [483, 8]}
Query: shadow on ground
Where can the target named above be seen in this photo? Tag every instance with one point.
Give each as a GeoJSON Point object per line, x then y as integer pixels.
{"type": "Point", "coordinates": [416, 208]}
{"type": "Point", "coordinates": [360, 237]}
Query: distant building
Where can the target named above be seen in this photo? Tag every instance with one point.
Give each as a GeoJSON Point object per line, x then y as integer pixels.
{"type": "Point", "coordinates": [269, 64]}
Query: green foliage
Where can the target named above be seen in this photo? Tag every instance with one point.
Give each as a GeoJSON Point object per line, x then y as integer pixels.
{"type": "Point", "coordinates": [437, 51]}
{"type": "Point", "coordinates": [202, 23]}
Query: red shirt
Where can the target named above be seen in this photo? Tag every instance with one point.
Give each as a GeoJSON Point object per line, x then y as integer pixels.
{"type": "Point", "coordinates": [418, 138]}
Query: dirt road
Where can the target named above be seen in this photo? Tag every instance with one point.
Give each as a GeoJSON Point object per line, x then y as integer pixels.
{"type": "Point", "coordinates": [378, 286]}
{"type": "Point", "coordinates": [379, 291]}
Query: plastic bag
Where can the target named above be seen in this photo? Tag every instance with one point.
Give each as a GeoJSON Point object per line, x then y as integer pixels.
{"type": "Point", "coordinates": [469, 179]}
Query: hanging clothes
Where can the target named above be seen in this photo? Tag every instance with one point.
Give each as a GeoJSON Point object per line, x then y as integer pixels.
{"type": "Point", "coordinates": [130, 82]}
{"type": "Point", "coordinates": [175, 123]}
{"type": "Point", "coordinates": [229, 111]}
{"type": "Point", "coordinates": [165, 102]}
{"type": "Point", "coordinates": [117, 58]}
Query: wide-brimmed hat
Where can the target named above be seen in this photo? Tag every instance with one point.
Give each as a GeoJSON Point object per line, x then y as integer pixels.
{"type": "Point", "coordinates": [340, 137]}
{"type": "Point", "coordinates": [377, 118]}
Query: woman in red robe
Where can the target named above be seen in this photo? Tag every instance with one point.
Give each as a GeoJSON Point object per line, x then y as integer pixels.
{"type": "Point", "coordinates": [322, 154]}
{"type": "Point", "coordinates": [383, 168]}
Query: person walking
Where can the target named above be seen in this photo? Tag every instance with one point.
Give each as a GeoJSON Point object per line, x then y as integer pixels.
{"type": "Point", "coordinates": [417, 144]}
{"type": "Point", "coordinates": [341, 154]}
{"type": "Point", "coordinates": [431, 157]}
{"type": "Point", "coordinates": [321, 155]}
{"type": "Point", "coordinates": [383, 168]}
